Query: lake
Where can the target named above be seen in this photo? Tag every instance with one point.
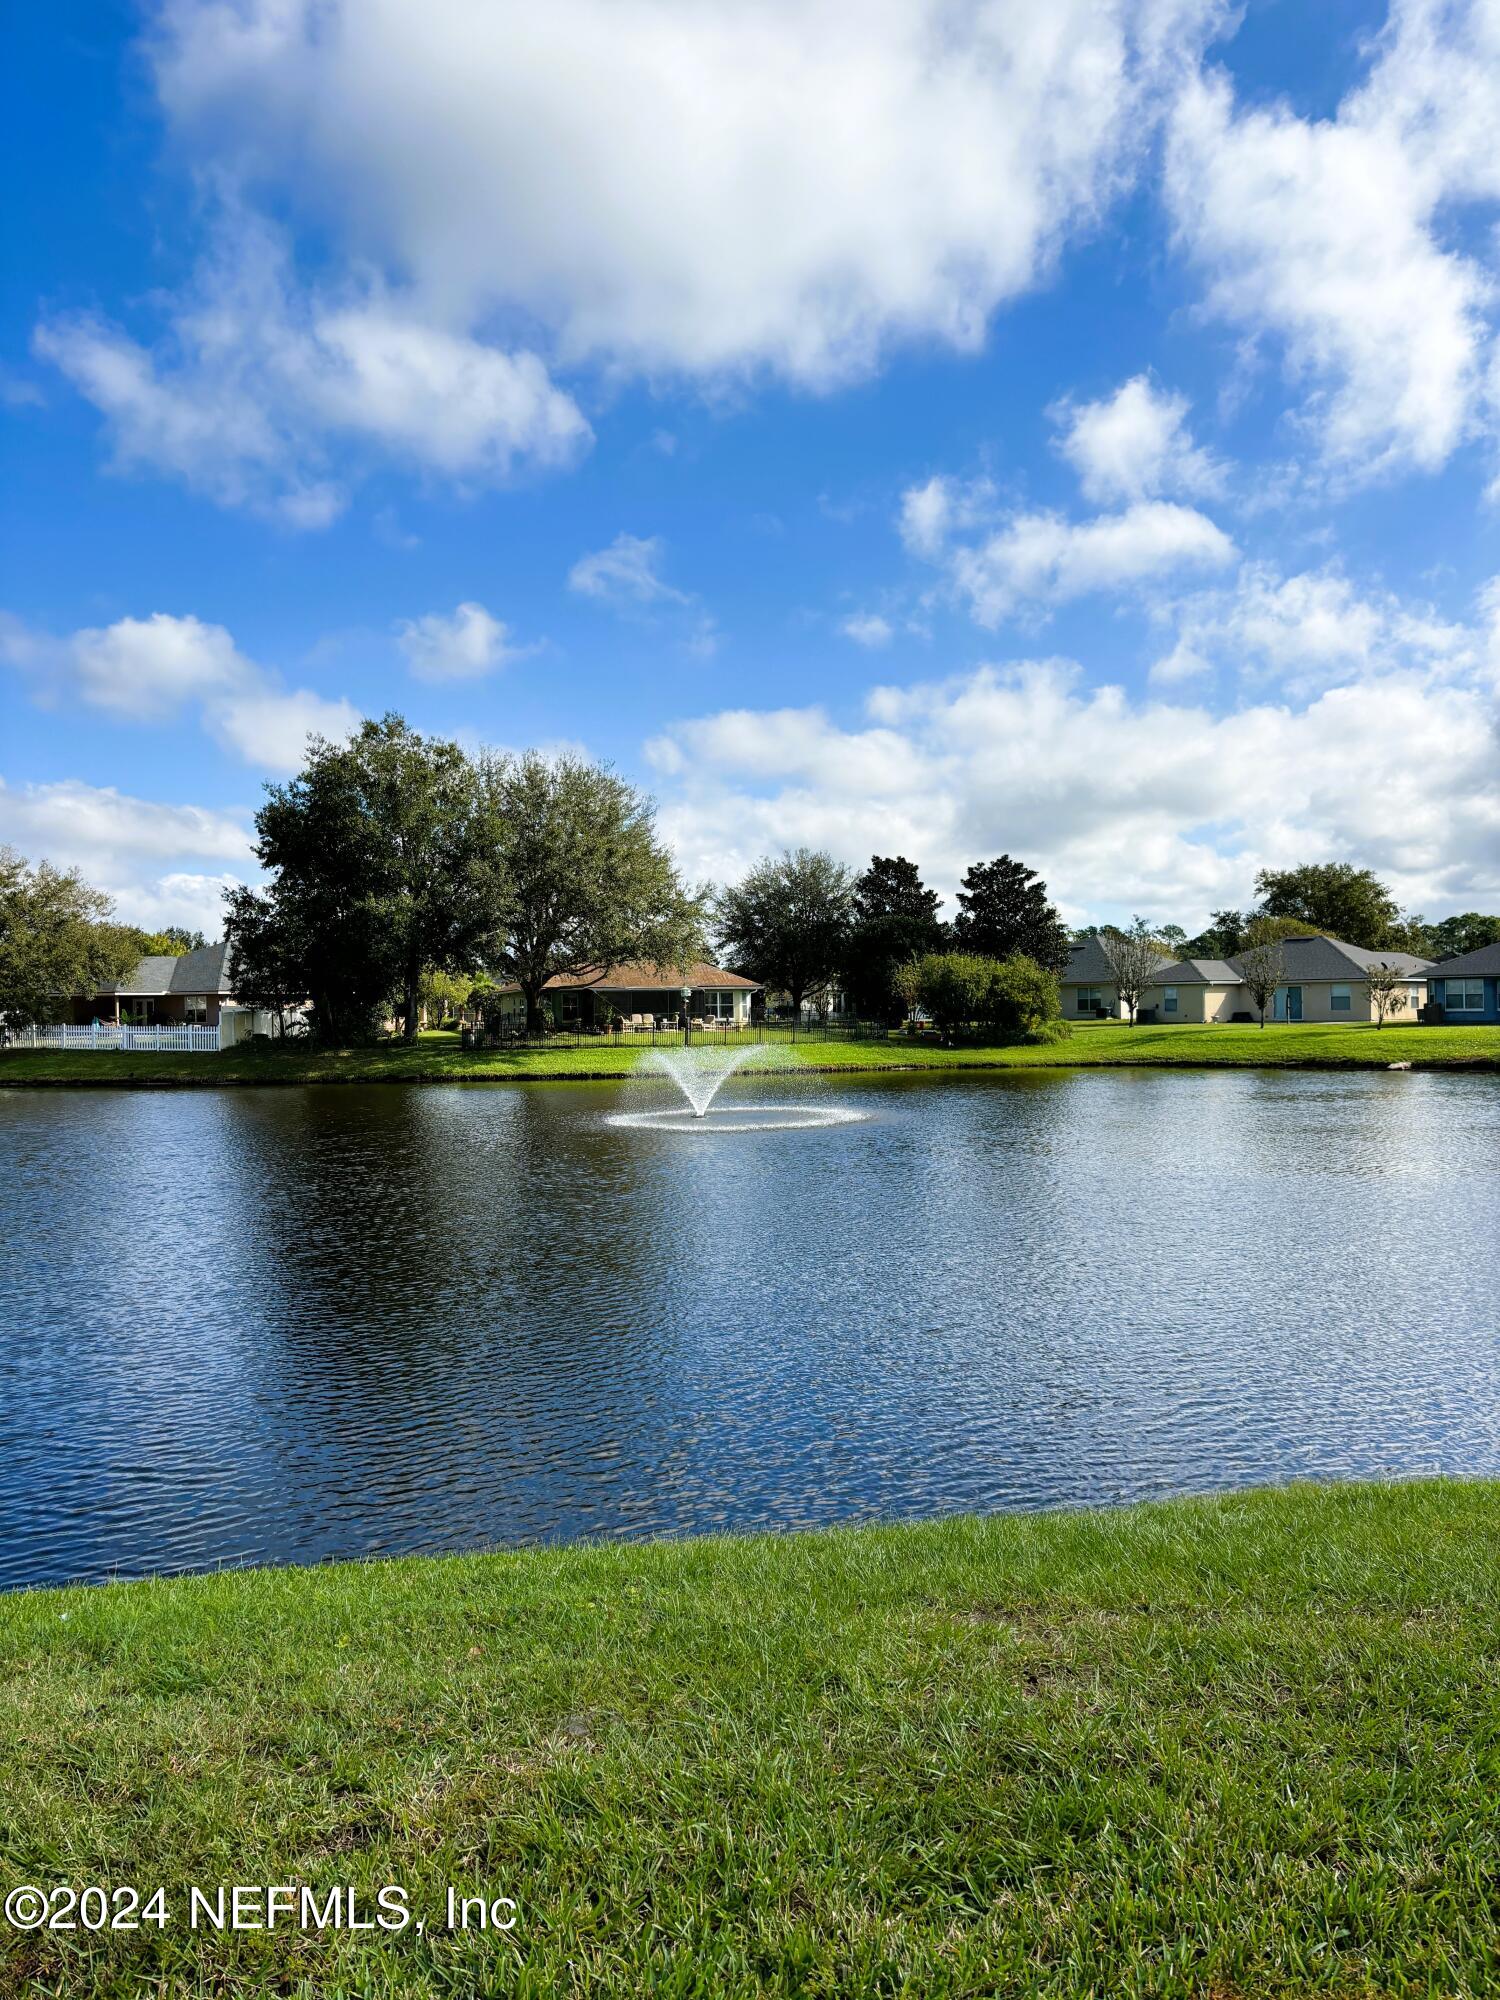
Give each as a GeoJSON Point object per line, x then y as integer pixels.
{"type": "Point", "coordinates": [282, 1325]}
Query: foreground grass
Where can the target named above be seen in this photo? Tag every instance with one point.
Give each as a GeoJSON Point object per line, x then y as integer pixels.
{"type": "Point", "coordinates": [1234, 1748]}
{"type": "Point", "coordinates": [437, 1058]}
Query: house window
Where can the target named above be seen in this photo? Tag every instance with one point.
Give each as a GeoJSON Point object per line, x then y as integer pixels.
{"type": "Point", "coordinates": [1169, 999]}
{"type": "Point", "coordinates": [1465, 996]}
{"type": "Point", "coordinates": [717, 1003]}
{"type": "Point", "coordinates": [1090, 999]}
{"type": "Point", "coordinates": [1339, 1000]}
{"type": "Point", "coordinates": [195, 1009]}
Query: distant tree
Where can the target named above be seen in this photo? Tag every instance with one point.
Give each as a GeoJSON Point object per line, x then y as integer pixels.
{"type": "Point", "coordinates": [581, 881]}
{"type": "Point", "coordinates": [895, 919]}
{"type": "Point", "coordinates": [1012, 996]}
{"type": "Point", "coordinates": [952, 988]}
{"type": "Point", "coordinates": [1003, 909]}
{"type": "Point", "coordinates": [169, 943]}
{"type": "Point", "coordinates": [787, 922]}
{"type": "Point", "coordinates": [56, 940]}
{"type": "Point", "coordinates": [382, 864]}
{"type": "Point", "coordinates": [1222, 939]}
{"type": "Point", "coordinates": [273, 964]}
{"type": "Point", "coordinates": [440, 995]}
{"type": "Point", "coordinates": [1173, 938]}
{"type": "Point", "coordinates": [1262, 963]}
{"type": "Point", "coordinates": [1453, 936]}
{"type": "Point", "coordinates": [1134, 956]}
{"type": "Point", "coordinates": [1386, 988]}
{"type": "Point", "coordinates": [1334, 898]}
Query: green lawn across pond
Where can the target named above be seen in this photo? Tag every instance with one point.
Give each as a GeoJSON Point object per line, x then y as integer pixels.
{"type": "Point", "coordinates": [437, 1058]}
{"type": "Point", "coordinates": [1235, 1749]}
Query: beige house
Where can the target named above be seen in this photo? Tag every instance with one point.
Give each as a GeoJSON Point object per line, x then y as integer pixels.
{"type": "Point", "coordinates": [1325, 980]}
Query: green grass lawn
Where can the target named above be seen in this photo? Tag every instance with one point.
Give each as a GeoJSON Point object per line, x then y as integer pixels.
{"type": "Point", "coordinates": [437, 1058]}
{"type": "Point", "coordinates": [1234, 1749]}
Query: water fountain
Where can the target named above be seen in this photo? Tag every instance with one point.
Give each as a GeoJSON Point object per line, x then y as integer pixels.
{"type": "Point", "coordinates": [700, 1073]}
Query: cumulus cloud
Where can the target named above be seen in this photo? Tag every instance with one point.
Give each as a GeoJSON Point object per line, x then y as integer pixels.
{"type": "Point", "coordinates": [1031, 561]}
{"type": "Point", "coordinates": [157, 861]}
{"type": "Point", "coordinates": [1134, 445]}
{"type": "Point", "coordinates": [1312, 631]}
{"type": "Point", "coordinates": [1335, 236]}
{"type": "Point", "coordinates": [254, 378]}
{"type": "Point", "coordinates": [704, 188]}
{"type": "Point", "coordinates": [462, 646]}
{"type": "Point", "coordinates": [149, 669]}
{"type": "Point", "coordinates": [1155, 805]}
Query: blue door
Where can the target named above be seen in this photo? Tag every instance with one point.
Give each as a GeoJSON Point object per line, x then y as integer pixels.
{"type": "Point", "coordinates": [1294, 1003]}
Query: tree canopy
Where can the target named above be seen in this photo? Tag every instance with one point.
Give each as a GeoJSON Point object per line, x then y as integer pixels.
{"type": "Point", "coordinates": [1003, 909]}
{"type": "Point", "coordinates": [582, 881]}
{"type": "Point", "coordinates": [384, 864]}
{"type": "Point", "coordinates": [56, 939]}
{"type": "Point", "coordinates": [895, 920]}
{"type": "Point", "coordinates": [787, 922]}
{"type": "Point", "coordinates": [1334, 898]}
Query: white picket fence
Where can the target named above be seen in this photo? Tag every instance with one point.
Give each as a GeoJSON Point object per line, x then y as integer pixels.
{"type": "Point", "coordinates": [189, 1039]}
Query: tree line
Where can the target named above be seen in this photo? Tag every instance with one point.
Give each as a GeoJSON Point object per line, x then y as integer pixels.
{"type": "Point", "coordinates": [401, 870]}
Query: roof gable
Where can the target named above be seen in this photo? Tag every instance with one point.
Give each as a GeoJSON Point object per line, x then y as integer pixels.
{"type": "Point", "coordinates": [1482, 963]}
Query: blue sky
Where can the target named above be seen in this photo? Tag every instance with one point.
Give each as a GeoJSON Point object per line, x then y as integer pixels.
{"type": "Point", "coordinates": [942, 428]}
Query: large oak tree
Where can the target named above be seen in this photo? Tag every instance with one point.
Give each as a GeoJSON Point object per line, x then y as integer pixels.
{"type": "Point", "coordinates": [787, 922]}
{"type": "Point", "coordinates": [581, 882]}
{"type": "Point", "coordinates": [56, 940]}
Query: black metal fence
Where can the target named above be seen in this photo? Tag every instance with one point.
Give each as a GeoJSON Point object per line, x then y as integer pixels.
{"type": "Point", "coordinates": [714, 1034]}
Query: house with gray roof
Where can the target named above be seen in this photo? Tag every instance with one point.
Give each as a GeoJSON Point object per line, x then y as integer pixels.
{"type": "Point", "coordinates": [1325, 980]}
{"type": "Point", "coordinates": [1467, 987]}
{"type": "Point", "coordinates": [1089, 991]}
{"type": "Point", "coordinates": [162, 992]}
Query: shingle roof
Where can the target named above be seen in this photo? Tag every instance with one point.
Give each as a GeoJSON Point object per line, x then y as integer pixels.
{"type": "Point", "coordinates": [1318, 958]}
{"type": "Point", "coordinates": [1197, 972]}
{"type": "Point", "coordinates": [646, 979]}
{"type": "Point", "coordinates": [1088, 965]}
{"type": "Point", "coordinates": [1482, 963]}
{"type": "Point", "coordinates": [202, 971]}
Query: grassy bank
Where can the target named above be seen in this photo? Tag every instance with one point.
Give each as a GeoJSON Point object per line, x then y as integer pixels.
{"type": "Point", "coordinates": [1238, 1748]}
{"type": "Point", "coordinates": [437, 1058]}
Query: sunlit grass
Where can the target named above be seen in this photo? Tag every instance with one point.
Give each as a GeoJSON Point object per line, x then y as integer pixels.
{"type": "Point", "coordinates": [438, 1058]}
{"type": "Point", "coordinates": [1244, 1747]}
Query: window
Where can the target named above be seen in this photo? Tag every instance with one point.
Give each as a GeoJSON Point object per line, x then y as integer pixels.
{"type": "Point", "coordinates": [1338, 1000]}
{"type": "Point", "coordinates": [718, 1002]}
{"type": "Point", "coordinates": [195, 1009]}
{"type": "Point", "coordinates": [1089, 999]}
{"type": "Point", "coordinates": [1169, 999]}
{"type": "Point", "coordinates": [1465, 996]}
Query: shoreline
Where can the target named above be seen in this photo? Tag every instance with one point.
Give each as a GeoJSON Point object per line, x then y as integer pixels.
{"type": "Point", "coordinates": [437, 1058]}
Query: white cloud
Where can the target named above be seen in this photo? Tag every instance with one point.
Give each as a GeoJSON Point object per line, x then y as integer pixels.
{"type": "Point", "coordinates": [868, 628]}
{"type": "Point", "coordinates": [149, 669]}
{"type": "Point", "coordinates": [157, 861]}
{"type": "Point", "coordinates": [269, 726]}
{"type": "Point", "coordinates": [255, 378]}
{"type": "Point", "coordinates": [1135, 445]}
{"type": "Point", "coordinates": [711, 188]}
{"type": "Point", "coordinates": [1312, 631]}
{"type": "Point", "coordinates": [1042, 559]}
{"type": "Point", "coordinates": [463, 646]}
{"type": "Point", "coordinates": [1336, 236]}
{"type": "Point", "coordinates": [1125, 805]}
{"type": "Point", "coordinates": [940, 508]}
{"type": "Point", "coordinates": [625, 573]}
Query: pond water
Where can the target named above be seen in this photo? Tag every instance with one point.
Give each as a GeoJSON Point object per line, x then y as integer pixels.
{"type": "Point", "coordinates": [281, 1325]}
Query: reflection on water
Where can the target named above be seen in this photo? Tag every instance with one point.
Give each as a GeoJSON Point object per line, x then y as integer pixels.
{"type": "Point", "coordinates": [281, 1325]}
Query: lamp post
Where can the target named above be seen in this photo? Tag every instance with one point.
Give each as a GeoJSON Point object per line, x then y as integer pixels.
{"type": "Point", "coordinates": [687, 1026]}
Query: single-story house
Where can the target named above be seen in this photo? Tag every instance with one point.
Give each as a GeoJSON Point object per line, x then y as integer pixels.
{"type": "Point", "coordinates": [1088, 984]}
{"type": "Point", "coordinates": [164, 992]}
{"type": "Point", "coordinates": [1467, 987]}
{"type": "Point", "coordinates": [1325, 981]}
{"type": "Point", "coordinates": [642, 995]}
